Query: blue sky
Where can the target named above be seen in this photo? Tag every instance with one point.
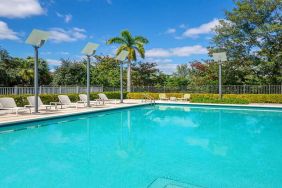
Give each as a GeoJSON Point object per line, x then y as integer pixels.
{"type": "Point", "coordinates": [179, 31]}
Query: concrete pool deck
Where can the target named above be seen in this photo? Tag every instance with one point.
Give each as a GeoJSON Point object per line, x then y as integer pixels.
{"type": "Point", "coordinates": [6, 117]}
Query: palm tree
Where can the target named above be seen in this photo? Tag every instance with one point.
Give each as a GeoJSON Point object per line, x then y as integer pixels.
{"type": "Point", "coordinates": [132, 45]}
{"type": "Point", "coordinates": [26, 73]}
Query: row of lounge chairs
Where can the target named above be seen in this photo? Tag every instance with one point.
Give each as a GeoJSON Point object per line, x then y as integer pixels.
{"type": "Point", "coordinates": [186, 97]}
{"type": "Point", "coordinates": [8, 103]}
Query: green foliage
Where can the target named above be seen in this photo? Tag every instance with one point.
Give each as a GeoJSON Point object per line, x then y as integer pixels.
{"type": "Point", "coordinates": [106, 71]}
{"type": "Point", "coordinates": [146, 74]}
{"type": "Point", "coordinates": [247, 98]}
{"type": "Point", "coordinates": [214, 98]}
{"type": "Point", "coordinates": [251, 34]}
{"type": "Point", "coordinates": [132, 45]}
{"type": "Point", "coordinates": [19, 71]}
{"type": "Point", "coordinates": [129, 43]}
{"type": "Point", "coordinates": [258, 98]}
{"type": "Point", "coordinates": [70, 73]}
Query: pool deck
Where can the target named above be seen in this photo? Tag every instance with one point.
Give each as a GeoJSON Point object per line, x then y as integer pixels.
{"type": "Point", "coordinates": [6, 117]}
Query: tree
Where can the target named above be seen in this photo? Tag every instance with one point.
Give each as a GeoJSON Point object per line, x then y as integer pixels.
{"type": "Point", "coordinates": [145, 74]}
{"type": "Point", "coordinates": [20, 71]}
{"type": "Point", "coordinates": [70, 73]}
{"type": "Point", "coordinates": [252, 36]}
{"type": "Point", "coordinates": [105, 72]}
{"type": "Point", "coordinates": [131, 44]}
{"type": "Point", "coordinates": [182, 71]}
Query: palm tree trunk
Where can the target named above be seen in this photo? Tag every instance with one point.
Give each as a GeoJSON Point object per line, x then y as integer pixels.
{"type": "Point", "coordinates": [129, 77]}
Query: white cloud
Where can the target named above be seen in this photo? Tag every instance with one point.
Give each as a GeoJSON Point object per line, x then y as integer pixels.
{"type": "Point", "coordinates": [20, 8]}
{"type": "Point", "coordinates": [184, 51]}
{"type": "Point", "coordinates": [202, 29]}
{"type": "Point", "coordinates": [159, 60]}
{"type": "Point", "coordinates": [167, 68]}
{"type": "Point", "coordinates": [158, 52]}
{"type": "Point", "coordinates": [53, 62]}
{"type": "Point", "coordinates": [61, 35]}
{"type": "Point", "coordinates": [6, 33]}
{"type": "Point", "coordinates": [170, 31]}
{"type": "Point", "coordinates": [164, 64]}
{"type": "Point", "coordinates": [67, 18]}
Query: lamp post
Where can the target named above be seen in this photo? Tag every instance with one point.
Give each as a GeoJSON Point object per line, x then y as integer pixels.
{"type": "Point", "coordinates": [36, 38]}
{"type": "Point", "coordinates": [89, 50]}
{"type": "Point", "coordinates": [219, 57]}
{"type": "Point", "coordinates": [121, 57]}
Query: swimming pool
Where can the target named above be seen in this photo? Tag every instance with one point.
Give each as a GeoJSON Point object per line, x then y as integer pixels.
{"type": "Point", "coordinates": [148, 146]}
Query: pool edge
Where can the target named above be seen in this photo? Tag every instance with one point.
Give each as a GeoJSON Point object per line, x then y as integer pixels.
{"type": "Point", "coordinates": [15, 122]}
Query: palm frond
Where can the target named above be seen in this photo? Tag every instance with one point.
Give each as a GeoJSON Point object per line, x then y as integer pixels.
{"type": "Point", "coordinates": [141, 50]}
{"type": "Point", "coordinates": [121, 48]}
{"type": "Point", "coordinates": [116, 40]}
{"type": "Point", "coordinates": [126, 35]}
{"type": "Point", "coordinates": [140, 39]}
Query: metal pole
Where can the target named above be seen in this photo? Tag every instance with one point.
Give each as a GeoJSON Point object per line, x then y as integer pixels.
{"type": "Point", "coordinates": [88, 80]}
{"type": "Point", "coordinates": [36, 79]}
{"type": "Point", "coordinates": [219, 81]}
{"type": "Point", "coordinates": [121, 86]}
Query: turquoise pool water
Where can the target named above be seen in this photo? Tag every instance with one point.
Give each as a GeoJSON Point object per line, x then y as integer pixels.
{"type": "Point", "coordinates": [149, 146]}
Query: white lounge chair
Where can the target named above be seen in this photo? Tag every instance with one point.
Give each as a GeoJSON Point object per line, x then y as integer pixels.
{"type": "Point", "coordinates": [186, 97]}
{"type": "Point", "coordinates": [83, 97]}
{"type": "Point", "coordinates": [31, 101]}
{"type": "Point", "coordinates": [65, 100]}
{"type": "Point", "coordinates": [104, 98]}
{"type": "Point", "coordinates": [8, 103]}
{"type": "Point", "coordinates": [162, 96]}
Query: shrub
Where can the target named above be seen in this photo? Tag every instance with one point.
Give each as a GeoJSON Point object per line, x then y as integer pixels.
{"type": "Point", "coordinates": [258, 98]}
{"type": "Point", "coordinates": [219, 101]}
{"type": "Point", "coordinates": [214, 98]}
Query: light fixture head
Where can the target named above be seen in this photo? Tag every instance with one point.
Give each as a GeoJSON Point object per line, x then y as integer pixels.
{"type": "Point", "coordinates": [37, 38]}
{"type": "Point", "coordinates": [122, 55]}
{"type": "Point", "coordinates": [221, 56]}
{"type": "Point", "coordinates": [90, 48]}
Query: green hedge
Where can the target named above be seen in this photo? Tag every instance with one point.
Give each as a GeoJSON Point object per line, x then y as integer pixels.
{"type": "Point", "coordinates": [21, 100]}
{"type": "Point", "coordinates": [214, 98]}
{"type": "Point", "coordinates": [240, 98]}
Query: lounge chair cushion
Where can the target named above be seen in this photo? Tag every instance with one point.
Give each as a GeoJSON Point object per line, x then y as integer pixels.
{"type": "Point", "coordinates": [31, 101]}
{"type": "Point", "coordinates": [102, 96]}
{"type": "Point", "coordinates": [83, 97]}
{"type": "Point", "coordinates": [65, 100]}
{"type": "Point", "coordinates": [8, 102]}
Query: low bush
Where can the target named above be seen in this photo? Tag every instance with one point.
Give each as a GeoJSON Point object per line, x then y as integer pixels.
{"type": "Point", "coordinates": [21, 100]}
{"type": "Point", "coordinates": [250, 98]}
{"type": "Point", "coordinates": [218, 100]}
{"type": "Point", "coordinates": [214, 98]}
{"type": "Point", "coordinates": [258, 98]}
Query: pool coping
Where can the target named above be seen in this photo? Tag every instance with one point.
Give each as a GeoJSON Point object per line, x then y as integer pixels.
{"type": "Point", "coordinates": [225, 105]}
{"type": "Point", "coordinates": [73, 113]}
{"type": "Point", "coordinates": [54, 116]}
